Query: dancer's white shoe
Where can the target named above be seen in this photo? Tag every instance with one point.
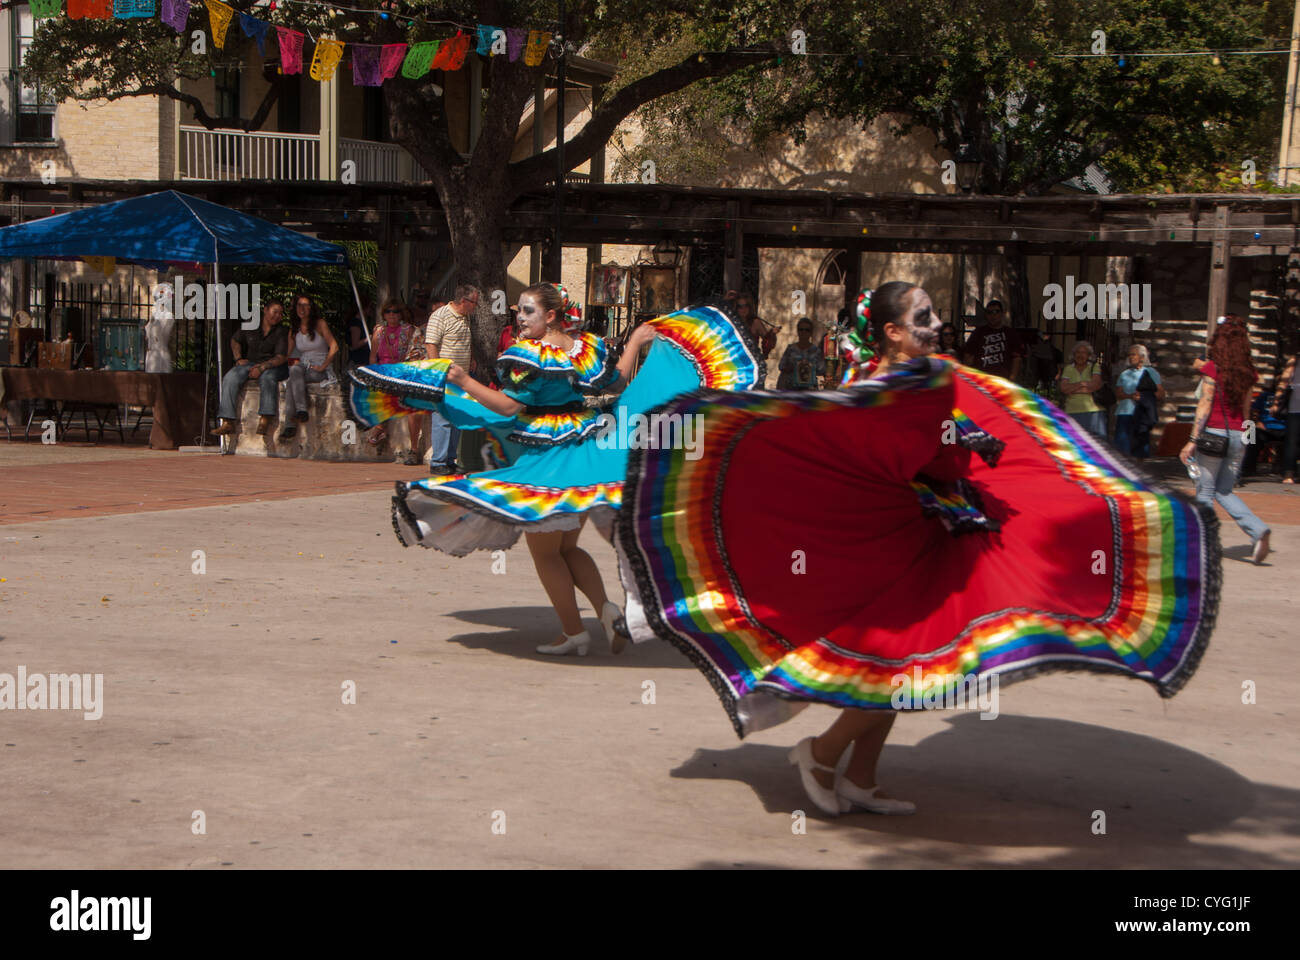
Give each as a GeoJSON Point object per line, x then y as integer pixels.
{"type": "Point", "coordinates": [579, 642]}
{"type": "Point", "coordinates": [617, 639]}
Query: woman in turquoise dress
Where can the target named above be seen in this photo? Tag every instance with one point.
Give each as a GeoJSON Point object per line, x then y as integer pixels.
{"type": "Point", "coordinates": [562, 459]}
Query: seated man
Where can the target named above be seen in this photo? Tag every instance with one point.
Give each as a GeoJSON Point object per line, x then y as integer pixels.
{"type": "Point", "coordinates": [261, 354]}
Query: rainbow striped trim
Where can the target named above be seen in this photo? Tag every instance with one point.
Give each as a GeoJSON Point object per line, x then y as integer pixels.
{"type": "Point", "coordinates": [590, 365]}
{"type": "Point", "coordinates": [1165, 566]}
{"type": "Point", "coordinates": [519, 502]}
{"type": "Point", "coordinates": [388, 390]}
{"type": "Point", "coordinates": [711, 340]}
{"type": "Point", "coordinates": [553, 428]}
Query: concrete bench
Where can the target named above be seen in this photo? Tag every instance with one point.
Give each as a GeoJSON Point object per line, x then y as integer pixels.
{"type": "Point", "coordinates": [324, 436]}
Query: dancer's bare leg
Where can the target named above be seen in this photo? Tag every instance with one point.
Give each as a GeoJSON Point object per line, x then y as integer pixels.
{"type": "Point", "coordinates": [553, 571]}
{"type": "Point", "coordinates": [583, 569]}
{"type": "Point", "coordinates": [868, 729]}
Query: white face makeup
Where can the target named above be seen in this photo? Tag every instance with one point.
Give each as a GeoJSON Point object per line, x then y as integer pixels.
{"type": "Point", "coordinates": [921, 326]}
{"type": "Point", "coordinates": [532, 318]}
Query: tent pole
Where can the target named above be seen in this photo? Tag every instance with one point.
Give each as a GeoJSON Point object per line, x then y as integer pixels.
{"type": "Point", "coordinates": [360, 309]}
{"type": "Point", "coordinates": [221, 380]}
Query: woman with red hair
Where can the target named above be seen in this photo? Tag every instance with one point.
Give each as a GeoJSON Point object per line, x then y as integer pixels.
{"type": "Point", "coordinates": [1229, 377]}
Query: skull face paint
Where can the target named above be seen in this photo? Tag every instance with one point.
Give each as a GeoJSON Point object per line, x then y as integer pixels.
{"type": "Point", "coordinates": [921, 328]}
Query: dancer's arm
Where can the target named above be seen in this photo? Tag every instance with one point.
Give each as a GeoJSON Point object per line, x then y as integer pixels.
{"type": "Point", "coordinates": [494, 400]}
{"type": "Point", "coordinates": [632, 349]}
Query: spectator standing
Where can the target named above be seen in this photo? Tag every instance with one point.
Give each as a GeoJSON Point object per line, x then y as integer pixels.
{"type": "Point", "coordinates": [392, 342]}
{"type": "Point", "coordinates": [1078, 381]}
{"type": "Point", "coordinates": [949, 342]}
{"type": "Point", "coordinates": [261, 354]}
{"type": "Point", "coordinates": [448, 337]}
{"type": "Point", "coordinates": [803, 362]}
{"type": "Point", "coordinates": [1227, 380]}
{"type": "Point", "coordinates": [1139, 393]}
{"type": "Point", "coordinates": [764, 333]}
{"type": "Point", "coordinates": [994, 347]}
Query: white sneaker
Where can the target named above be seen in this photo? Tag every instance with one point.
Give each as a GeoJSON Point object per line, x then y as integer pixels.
{"type": "Point", "coordinates": [1261, 548]}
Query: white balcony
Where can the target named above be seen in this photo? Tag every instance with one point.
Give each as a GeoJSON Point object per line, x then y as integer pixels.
{"type": "Point", "coordinates": [235, 155]}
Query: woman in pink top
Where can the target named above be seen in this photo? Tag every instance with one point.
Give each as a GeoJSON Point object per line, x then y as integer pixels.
{"type": "Point", "coordinates": [1228, 380]}
{"type": "Point", "coordinates": [392, 342]}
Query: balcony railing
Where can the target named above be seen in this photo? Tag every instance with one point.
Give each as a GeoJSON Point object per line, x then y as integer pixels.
{"type": "Point", "coordinates": [236, 155]}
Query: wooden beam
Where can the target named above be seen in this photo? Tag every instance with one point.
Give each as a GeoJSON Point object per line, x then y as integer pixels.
{"type": "Point", "coordinates": [1220, 264]}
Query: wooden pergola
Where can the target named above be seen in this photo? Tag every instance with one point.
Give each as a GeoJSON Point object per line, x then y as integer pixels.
{"type": "Point", "coordinates": [1226, 226]}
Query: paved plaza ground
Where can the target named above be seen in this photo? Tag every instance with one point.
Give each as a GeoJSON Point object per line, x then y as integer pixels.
{"type": "Point", "coordinates": [223, 694]}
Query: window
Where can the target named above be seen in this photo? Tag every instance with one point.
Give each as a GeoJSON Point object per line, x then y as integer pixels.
{"type": "Point", "coordinates": [290, 105]}
{"type": "Point", "coordinates": [227, 85]}
{"type": "Point", "coordinates": [374, 115]}
{"type": "Point", "coordinates": [35, 113]}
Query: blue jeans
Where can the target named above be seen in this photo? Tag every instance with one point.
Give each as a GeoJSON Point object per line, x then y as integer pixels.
{"type": "Point", "coordinates": [1217, 479]}
{"type": "Point", "coordinates": [267, 406]}
{"type": "Point", "coordinates": [1094, 422]}
{"type": "Point", "coordinates": [1124, 432]}
{"type": "Point", "coordinates": [444, 439]}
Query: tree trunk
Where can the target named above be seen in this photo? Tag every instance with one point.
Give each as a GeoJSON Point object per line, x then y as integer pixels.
{"type": "Point", "coordinates": [477, 250]}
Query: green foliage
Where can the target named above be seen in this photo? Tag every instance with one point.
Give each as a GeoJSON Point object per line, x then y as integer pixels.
{"type": "Point", "coordinates": [327, 286]}
{"type": "Point", "coordinates": [992, 70]}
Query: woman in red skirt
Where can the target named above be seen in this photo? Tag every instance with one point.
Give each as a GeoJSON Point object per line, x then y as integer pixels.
{"type": "Point", "coordinates": [950, 529]}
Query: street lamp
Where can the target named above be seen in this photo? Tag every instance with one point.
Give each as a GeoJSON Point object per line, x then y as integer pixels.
{"type": "Point", "coordinates": [968, 165]}
{"type": "Point", "coordinates": [666, 253]}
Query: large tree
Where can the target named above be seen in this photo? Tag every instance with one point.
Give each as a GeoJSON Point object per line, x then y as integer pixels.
{"type": "Point", "coordinates": [90, 59]}
{"type": "Point", "coordinates": [991, 73]}
{"type": "Point", "coordinates": [1021, 83]}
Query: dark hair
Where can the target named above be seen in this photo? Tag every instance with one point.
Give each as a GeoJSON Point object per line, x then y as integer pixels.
{"type": "Point", "coordinates": [889, 302]}
{"type": "Point", "coordinates": [991, 303]}
{"type": "Point", "coordinates": [948, 327]}
{"type": "Point", "coordinates": [549, 296]}
{"type": "Point", "coordinates": [1230, 351]}
{"type": "Point", "coordinates": [803, 320]}
{"type": "Point", "coordinates": [464, 291]}
{"type": "Point", "coordinates": [313, 316]}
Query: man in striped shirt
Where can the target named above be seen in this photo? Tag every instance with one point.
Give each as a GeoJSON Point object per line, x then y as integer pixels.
{"type": "Point", "coordinates": [448, 337]}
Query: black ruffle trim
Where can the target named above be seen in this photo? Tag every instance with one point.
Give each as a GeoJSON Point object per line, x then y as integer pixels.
{"type": "Point", "coordinates": [986, 445]}
{"type": "Point", "coordinates": [368, 381]}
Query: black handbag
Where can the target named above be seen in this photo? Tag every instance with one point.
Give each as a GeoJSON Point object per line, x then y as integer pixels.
{"type": "Point", "coordinates": [1212, 444]}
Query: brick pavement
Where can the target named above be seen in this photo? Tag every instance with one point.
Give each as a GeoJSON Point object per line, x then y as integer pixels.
{"type": "Point", "coordinates": [153, 480]}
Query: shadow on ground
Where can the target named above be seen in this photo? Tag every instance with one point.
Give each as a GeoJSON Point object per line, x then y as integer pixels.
{"type": "Point", "coordinates": [529, 626]}
{"type": "Point", "coordinates": [1033, 782]}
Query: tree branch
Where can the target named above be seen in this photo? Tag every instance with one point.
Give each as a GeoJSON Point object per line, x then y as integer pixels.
{"type": "Point", "coordinates": [537, 170]}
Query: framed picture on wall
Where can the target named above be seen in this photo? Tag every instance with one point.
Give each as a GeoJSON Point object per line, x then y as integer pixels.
{"type": "Point", "coordinates": [658, 290]}
{"type": "Point", "coordinates": [607, 286]}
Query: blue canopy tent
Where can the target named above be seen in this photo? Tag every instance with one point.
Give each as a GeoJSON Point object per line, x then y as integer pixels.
{"type": "Point", "coordinates": [170, 228]}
